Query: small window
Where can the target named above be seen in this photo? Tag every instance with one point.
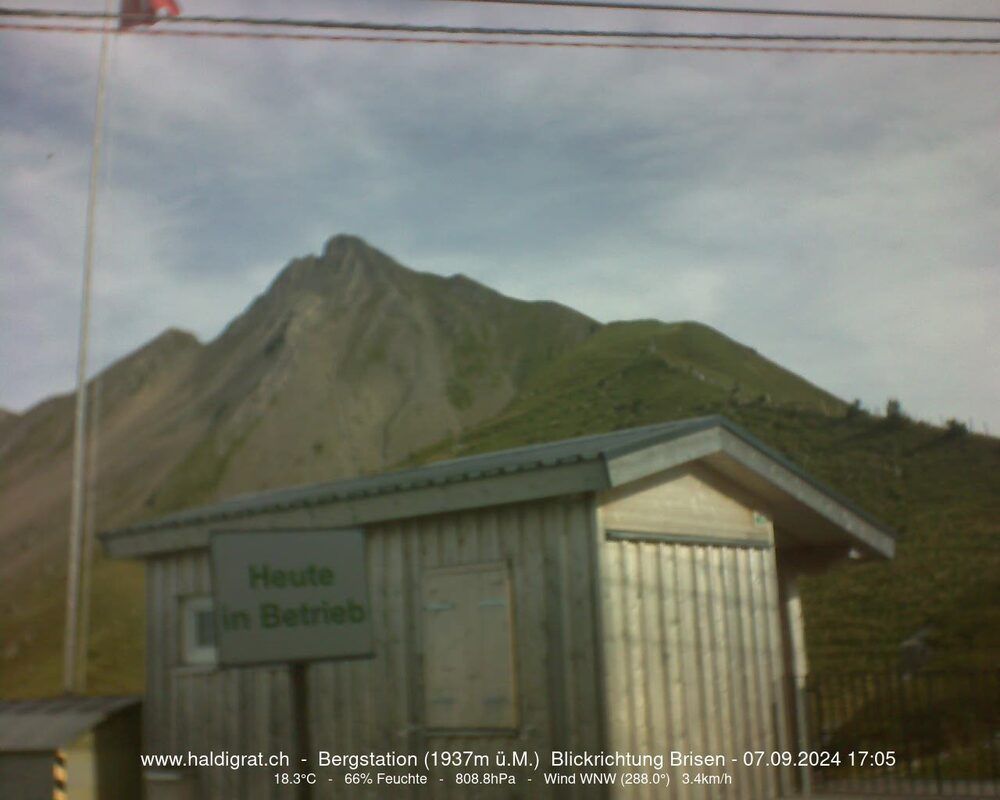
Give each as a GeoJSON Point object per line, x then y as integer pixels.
{"type": "Point", "coordinates": [197, 630]}
{"type": "Point", "coordinates": [469, 648]}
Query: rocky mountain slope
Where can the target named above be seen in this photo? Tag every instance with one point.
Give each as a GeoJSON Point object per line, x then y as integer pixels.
{"type": "Point", "coordinates": [346, 364]}
{"type": "Point", "coordinates": [351, 363]}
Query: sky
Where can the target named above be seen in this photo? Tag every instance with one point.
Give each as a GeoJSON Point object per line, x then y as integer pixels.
{"type": "Point", "coordinates": [840, 214]}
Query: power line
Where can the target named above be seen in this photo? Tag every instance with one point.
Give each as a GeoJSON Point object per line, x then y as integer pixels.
{"type": "Point", "coordinates": [738, 11]}
{"type": "Point", "coordinates": [209, 34]}
{"type": "Point", "coordinates": [452, 30]}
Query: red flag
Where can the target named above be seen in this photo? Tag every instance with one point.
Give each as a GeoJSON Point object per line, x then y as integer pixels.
{"type": "Point", "coordinates": [145, 12]}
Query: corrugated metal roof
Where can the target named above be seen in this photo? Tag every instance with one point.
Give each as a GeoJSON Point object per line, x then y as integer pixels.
{"type": "Point", "coordinates": [519, 459]}
{"type": "Point", "coordinates": [50, 723]}
{"type": "Point", "coordinates": [604, 446]}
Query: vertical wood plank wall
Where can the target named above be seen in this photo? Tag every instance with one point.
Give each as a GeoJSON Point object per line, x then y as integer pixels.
{"type": "Point", "coordinates": [692, 646]}
{"type": "Point", "coordinates": [376, 704]}
{"type": "Point", "coordinates": [693, 659]}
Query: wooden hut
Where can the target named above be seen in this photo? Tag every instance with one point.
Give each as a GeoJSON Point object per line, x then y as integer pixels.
{"type": "Point", "coordinates": [70, 748]}
{"type": "Point", "coordinates": [629, 592]}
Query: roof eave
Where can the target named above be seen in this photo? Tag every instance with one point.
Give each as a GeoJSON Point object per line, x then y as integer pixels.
{"type": "Point", "coordinates": [814, 510]}
{"type": "Point", "coordinates": [535, 484]}
{"type": "Point", "coordinates": [861, 531]}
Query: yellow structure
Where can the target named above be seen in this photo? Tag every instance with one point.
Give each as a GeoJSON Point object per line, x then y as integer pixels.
{"type": "Point", "coordinates": [70, 748]}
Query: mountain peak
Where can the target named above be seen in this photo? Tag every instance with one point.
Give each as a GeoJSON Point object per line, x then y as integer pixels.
{"type": "Point", "coordinates": [343, 258]}
{"type": "Point", "coordinates": [343, 243]}
{"type": "Point", "coordinates": [174, 337]}
{"type": "Point", "coordinates": [347, 254]}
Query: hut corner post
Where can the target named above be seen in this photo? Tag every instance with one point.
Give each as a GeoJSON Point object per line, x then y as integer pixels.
{"type": "Point", "coordinates": [796, 664]}
{"type": "Point", "coordinates": [299, 679]}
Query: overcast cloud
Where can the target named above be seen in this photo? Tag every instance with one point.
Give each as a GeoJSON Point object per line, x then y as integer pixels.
{"type": "Point", "coordinates": [840, 214]}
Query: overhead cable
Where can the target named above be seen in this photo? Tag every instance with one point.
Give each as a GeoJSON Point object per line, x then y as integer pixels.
{"type": "Point", "coordinates": [463, 30]}
{"type": "Point", "coordinates": [262, 35]}
{"type": "Point", "coordinates": [738, 10]}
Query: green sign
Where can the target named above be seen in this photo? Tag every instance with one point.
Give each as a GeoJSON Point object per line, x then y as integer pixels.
{"type": "Point", "coordinates": [290, 596]}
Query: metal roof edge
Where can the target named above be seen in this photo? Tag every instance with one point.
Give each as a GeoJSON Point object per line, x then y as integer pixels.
{"type": "Point", "coordinates": [556, 480]}
{"type": "Point", "coordinates": [783, 476]}
{"type": "Point", "coordinates": [691, 426]}
{"type": "Point", "coordinates": [312, 496]}
{"type": "Point", "coordinates": [249, 505]}
{"type": "Point", "coordinates": [48, 723]}
{"type": "Point", "coordinates": [606, 448]}
{"type": "Point", "coordinates": [632, 466]}
{"type": "Point", "coordinates": [801, 473]}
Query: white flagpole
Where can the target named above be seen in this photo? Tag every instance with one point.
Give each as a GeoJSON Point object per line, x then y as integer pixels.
{"type": "Point", "coordinates": [71, 675]}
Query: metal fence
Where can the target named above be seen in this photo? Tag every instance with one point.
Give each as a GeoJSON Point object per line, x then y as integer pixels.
{"type": "Point", "coordinates": [929, 733]}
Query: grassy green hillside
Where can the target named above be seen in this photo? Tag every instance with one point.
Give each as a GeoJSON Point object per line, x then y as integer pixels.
{"type": "Point", "coordinates": [117, 642]}
{"type": "Point", "coordinates": [940, 489]}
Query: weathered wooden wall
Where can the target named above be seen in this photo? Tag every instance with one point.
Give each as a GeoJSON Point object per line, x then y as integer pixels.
{"type": "Point", "coordinates": [692, 643]}
{"type": "Point", "coordinates": [666, 637]}
{"type": "Point", "coordinates": [377, 704]}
